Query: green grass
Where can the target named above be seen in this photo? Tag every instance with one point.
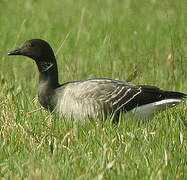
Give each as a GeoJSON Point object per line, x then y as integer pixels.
{"type": "Point", "coordinates": [98, 39]}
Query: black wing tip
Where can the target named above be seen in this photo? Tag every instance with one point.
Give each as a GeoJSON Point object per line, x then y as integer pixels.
{"type": "Point", "coordinates": [183, 95]}
{"type": "Point", "coordinates": [178, 95]}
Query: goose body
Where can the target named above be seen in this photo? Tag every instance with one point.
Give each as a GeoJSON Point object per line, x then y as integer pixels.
{"type": "Point", "coordinates": [94, 97]}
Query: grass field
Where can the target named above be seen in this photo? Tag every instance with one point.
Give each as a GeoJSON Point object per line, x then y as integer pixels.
{"type": "Point", "coordinates": [144, 41]}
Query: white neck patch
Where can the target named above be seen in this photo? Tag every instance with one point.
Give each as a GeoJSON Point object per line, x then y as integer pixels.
{"type": "Point", "coordinates": [45, 66]}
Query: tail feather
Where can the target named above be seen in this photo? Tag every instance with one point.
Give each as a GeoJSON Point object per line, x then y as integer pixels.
{"type": "Point", "coordinates": [161, 105]}
{"type": "Point", "coordinates": [147, 111]}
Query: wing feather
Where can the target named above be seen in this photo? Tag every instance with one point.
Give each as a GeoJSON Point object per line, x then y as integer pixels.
{"type": "Point", "coordinates": [89, 98]}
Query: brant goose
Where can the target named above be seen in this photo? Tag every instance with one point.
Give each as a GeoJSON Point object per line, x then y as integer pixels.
{"type": "Point", "coordinates": [94, 97]}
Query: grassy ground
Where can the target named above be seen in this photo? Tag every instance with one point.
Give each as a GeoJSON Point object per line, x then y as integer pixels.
{"type": "Point", "coordinates": [113, 39]}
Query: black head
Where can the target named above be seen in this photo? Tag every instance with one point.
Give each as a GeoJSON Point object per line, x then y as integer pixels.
{"type": "Point", "coordinates": [37, 49]}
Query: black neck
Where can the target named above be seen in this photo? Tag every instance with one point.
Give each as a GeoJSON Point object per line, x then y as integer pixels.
{"type": "Point", "coordinates": [48, 74]}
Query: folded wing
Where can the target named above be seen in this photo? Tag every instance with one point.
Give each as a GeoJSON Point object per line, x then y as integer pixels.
{"type": "Point", "coordinates": [91, 97]}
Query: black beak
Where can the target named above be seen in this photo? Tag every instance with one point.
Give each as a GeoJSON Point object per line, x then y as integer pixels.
{"type": "Point", "coordinates": [15, 52]}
